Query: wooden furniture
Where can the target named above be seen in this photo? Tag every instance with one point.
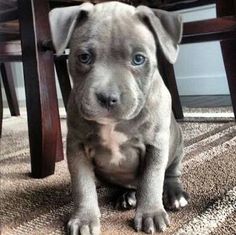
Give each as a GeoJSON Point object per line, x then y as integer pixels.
{"type": "Point", "coordinates": [38, 65]}
{"type": "Point", "coordinates": [228, 47]}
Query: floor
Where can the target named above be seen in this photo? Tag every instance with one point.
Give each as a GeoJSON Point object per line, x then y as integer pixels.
{"type": "Point", "coordinates": [38, 207]}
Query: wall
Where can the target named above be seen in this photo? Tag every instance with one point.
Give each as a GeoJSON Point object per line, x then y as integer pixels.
{"type": "Point", "coordinates": [199, 69]}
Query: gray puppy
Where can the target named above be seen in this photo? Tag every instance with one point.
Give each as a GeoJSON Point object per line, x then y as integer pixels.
{"type": "Point", "coordinates": [120, 123]}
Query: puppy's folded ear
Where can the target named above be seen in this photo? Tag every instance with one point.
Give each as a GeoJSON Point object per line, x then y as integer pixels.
{"type": "Point", "coordinates": [63, 21]}
{"type": "Point", "coordinates": [167, 29]}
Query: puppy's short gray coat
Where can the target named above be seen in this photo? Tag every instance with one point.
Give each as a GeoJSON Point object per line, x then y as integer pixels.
{"type": "Point", "coordinates": [120, 124]}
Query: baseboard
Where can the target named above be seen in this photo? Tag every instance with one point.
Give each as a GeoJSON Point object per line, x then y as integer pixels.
{"type": "Point", "coordinates": [203, 85]}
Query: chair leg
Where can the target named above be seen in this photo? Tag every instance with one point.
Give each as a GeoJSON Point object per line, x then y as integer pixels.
{"type": "Point", "coordinates": [228, 48]}
{"type": "Point", "coordinates": [1, 110]}
{"type": "Point", "coordinates": [63, 78]}
{"type": "Point", "coordinates": [229, 54]}
{"type": "Point", "coordinates": [168, 74]}
{"type": "Point", "coordinates": [41, 99]}
{"type": "Point", "coordinates": [9, 86]}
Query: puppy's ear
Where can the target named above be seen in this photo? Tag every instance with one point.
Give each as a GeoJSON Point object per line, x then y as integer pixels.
{"type": "Point", "coordinates": [167, 29]}
{"type": "Point", "coordinates": [63, 21]}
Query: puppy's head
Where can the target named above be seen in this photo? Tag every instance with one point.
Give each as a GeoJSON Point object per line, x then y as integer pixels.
{"type": "Point", "coordinates": [113, 54]}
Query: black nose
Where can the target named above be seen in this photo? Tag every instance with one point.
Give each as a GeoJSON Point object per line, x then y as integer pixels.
{"type": "Point", "coordinates": [108, 100]}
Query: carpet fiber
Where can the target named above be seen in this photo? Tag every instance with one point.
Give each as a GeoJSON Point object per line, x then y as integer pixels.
{"type": "Point", "coordinates": [35, 207]}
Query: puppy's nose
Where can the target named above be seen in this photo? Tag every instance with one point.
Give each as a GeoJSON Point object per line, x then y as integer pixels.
{"type": "Point", "coordinates": [108, 100]}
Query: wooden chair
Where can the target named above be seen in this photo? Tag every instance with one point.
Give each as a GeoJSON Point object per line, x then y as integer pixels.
{"type": "Point", "coordinates": [26, 45]}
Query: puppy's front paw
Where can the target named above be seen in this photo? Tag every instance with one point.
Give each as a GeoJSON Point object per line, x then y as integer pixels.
{"type": "Point", "coordinates": [84, 224]}
{"type": "Point", "coordinates": [149, 222]}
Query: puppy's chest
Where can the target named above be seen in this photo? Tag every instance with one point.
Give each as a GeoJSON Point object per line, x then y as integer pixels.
{"type": "Point", "coordinates": [112, 140]}
{"type": "Point", "coordinates": [107, 145]}
{"type": "Point", "coordinates": [116, 156]}
{"type": "Point", "coordinates": [112, 149]}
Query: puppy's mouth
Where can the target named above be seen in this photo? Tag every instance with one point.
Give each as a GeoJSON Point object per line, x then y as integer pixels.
{"type": "Point", "coordinates": [105, 115]}
{"type": "Point", "coordinates": [100, 116]}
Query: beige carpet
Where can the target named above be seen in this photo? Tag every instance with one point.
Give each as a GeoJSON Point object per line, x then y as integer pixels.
{"type": "Point", "coordinates": [35, 207]}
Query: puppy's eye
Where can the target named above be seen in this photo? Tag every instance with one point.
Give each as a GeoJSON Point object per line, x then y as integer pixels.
{"type": "Point", "coordinates": [85, 58]}
{"type": "Point", "coordinates": [138, 59]}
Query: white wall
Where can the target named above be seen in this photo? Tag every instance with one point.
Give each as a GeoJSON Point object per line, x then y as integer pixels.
{"type": "Point", "coordinates": [199, 69]}
{"type": "Point", "coordinates": [17, 72]}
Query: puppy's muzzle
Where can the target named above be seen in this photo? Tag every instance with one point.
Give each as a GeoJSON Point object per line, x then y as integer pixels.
{"type": "Point", "coordinates": [108, 99]}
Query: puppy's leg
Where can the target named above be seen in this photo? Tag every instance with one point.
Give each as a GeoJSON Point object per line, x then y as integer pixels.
{"type": "Point", "coordinates": [174, 196]}
{"type": "Point", "coordinates": [150, 213]}
{"type": "Point", "coordinates": [85, 218]}
{"type": "Point", "coordinates": [127, 200]}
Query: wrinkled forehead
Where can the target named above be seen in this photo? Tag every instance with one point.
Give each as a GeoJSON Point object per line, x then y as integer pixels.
{"type": "Point", "coordinates": [112, 8]}
{"type": "Point", "coordinates": [116, 24]}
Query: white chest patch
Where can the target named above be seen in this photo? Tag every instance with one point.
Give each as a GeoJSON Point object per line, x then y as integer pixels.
{"type": "Point", "coordinates": [112, 140]}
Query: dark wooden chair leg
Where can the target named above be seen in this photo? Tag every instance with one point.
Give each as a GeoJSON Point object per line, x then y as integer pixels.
{"type": "Point", "coordinates": [229, 49]}
{"type": "Point", "coordinates": [9, 86]}
{"type": "Point", "coordinates": [229, 54]}
{"type": "Point", "coordinates": [1, 110]}
{"type": "Point", "coordinates": [41, 100]}
{"type": "Point", "coordinates": [168, 75]}
{"type": "Point", "coordinates": [63, 78]}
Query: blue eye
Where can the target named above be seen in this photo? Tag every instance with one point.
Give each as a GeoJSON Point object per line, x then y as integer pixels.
{"type": "Point", "coordinates": [138, 59]}
{"type": "Point", "coordinates": [85, 58]}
